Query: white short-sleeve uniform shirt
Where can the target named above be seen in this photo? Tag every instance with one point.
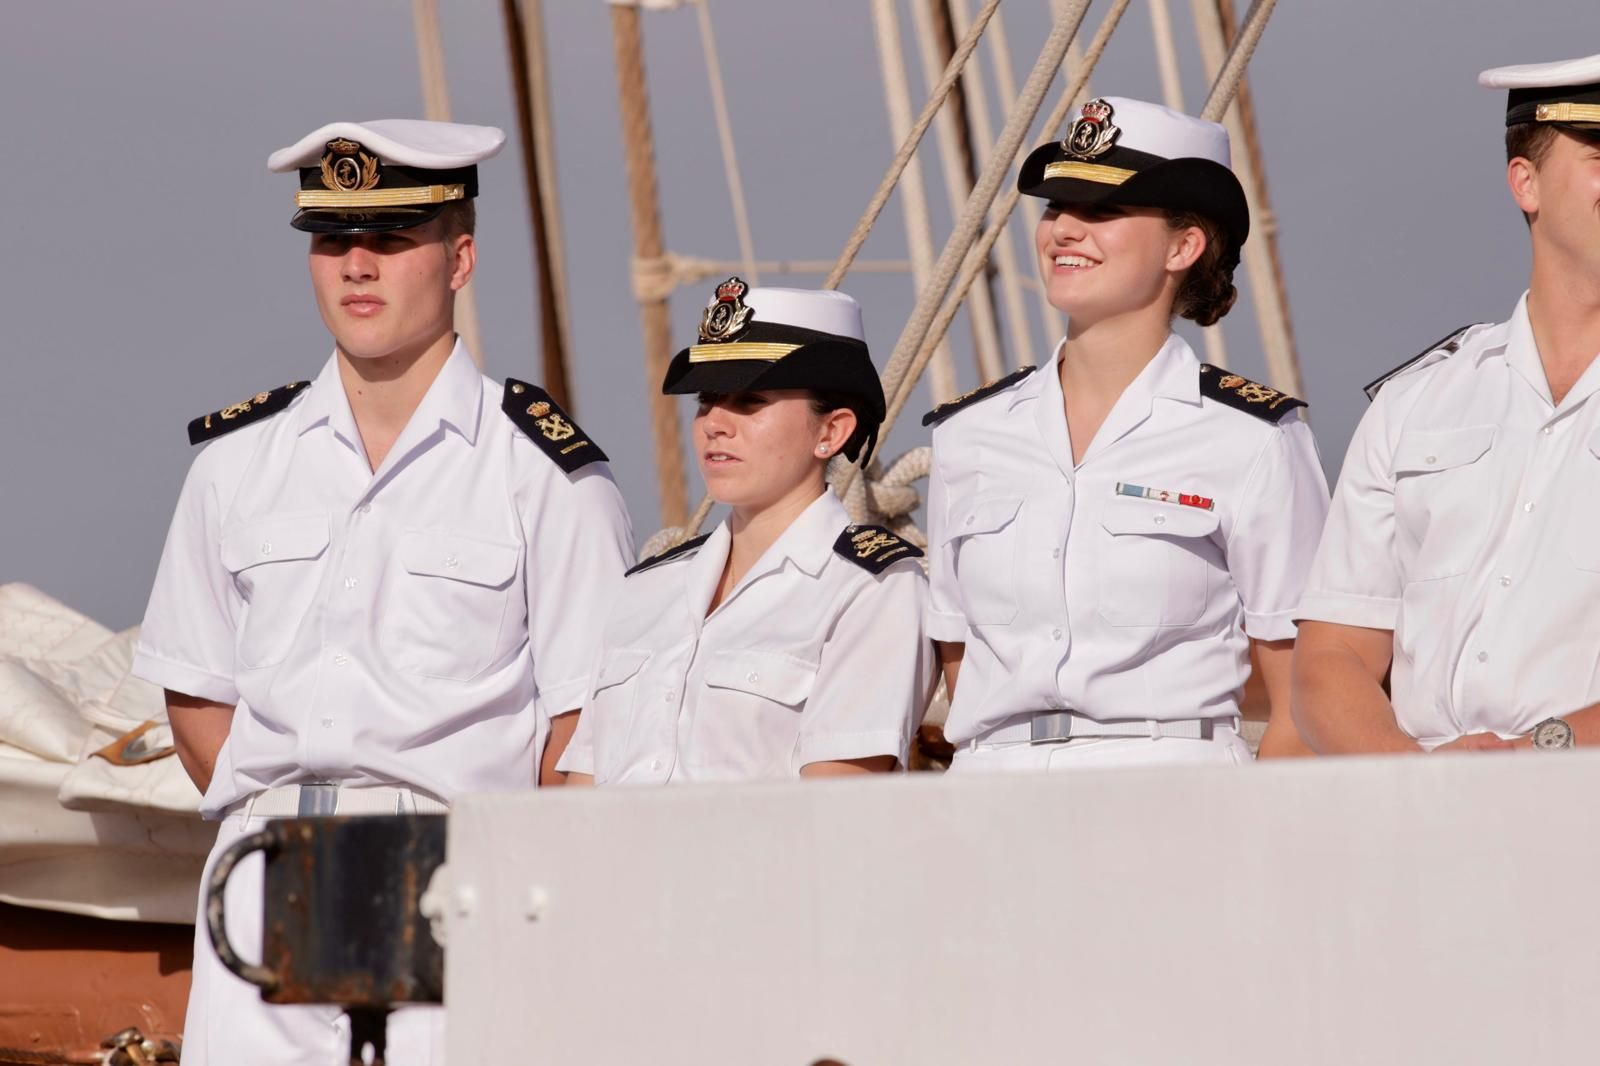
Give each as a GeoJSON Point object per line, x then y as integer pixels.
{"type": "Point", "coordinates": [1072, 594]}
{"type": "Point", "coordinates": [416, 626]}
{"type": "Point", "coordinates": [810, 658]}
{"type": "Point", "coordinates": [1465, 522]}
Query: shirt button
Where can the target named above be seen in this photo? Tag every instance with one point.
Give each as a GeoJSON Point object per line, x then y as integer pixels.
{"type": "Point", "coordinates": [451, 561]}
{"type": "Point", "coordinates": [752, 677]}
{"type": "Point", "coordinates": [1527, 508]}
{"type": "Point", "coordinates": [1505, 580]}
{"type": "Point", "coordinates": [1483, 656]}
{"type": "Point", "coordinates": [1055, 634]}
{"type": "Point", "coordinates": [1430, 460]}
{"type": "Point", "coordinates": [1546, 431]}
{"type": "Point", "coordinates": [349, 582]}
{"type": "Point", "coordinates": [655, 764]}
{"type": "Point", "coordinates": [327, 723]}
{"type": "Point", "coordinates": [1055, 553]}
{"type": "Point", "coordinates": [266, 547]}
{"type": "Point", "coordinates": [340, 659]}
{"type": "Point", "coordinates": [365, 508]}
{"type": "Point", "coordinates": [1161, 519]}
{"type": "Point", "coordinates": [971, 519]}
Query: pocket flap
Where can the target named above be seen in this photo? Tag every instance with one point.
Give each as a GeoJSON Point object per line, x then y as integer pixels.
{"type": "Point", "coordinates": [771, 675]}
{"type": "Point", "coordinates": [441, 553]}
{"type": "Point", "coordinates": [618, 666]}
{"type": "Point", "coordinates": [983, 515]}
{"type": "Point", "coordinates": [278, 539]}
{"type": "Point", "coordinates": [1151, 518]}
{"type": "Point", "coordinates": [1441, 449]}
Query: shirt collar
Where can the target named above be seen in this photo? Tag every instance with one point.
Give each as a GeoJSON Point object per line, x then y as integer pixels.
{"type": "Point", "coordinates": [455, 399]}
{"type": "Point", "coordinates": [1173, 374]}
{"type": "Point", "coordinates": [809, 539]}
{"type": "Point", "coordinates": [1520, 351]}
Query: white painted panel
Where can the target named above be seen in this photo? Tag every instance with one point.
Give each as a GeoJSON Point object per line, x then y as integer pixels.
{"type": "Point", "coordinates": [1421, 910]}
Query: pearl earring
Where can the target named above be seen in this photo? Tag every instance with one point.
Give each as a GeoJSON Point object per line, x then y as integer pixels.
{"type": "Point", "coordinates": [822, 449]}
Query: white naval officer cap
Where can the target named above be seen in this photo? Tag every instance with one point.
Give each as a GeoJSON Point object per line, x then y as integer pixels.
{"type": "Point", "coordinates": [1565, 93]}
{"type": "Point", "coordinates": [1121, 151]}
{"type": "Point", "coordinates": [387, 174]}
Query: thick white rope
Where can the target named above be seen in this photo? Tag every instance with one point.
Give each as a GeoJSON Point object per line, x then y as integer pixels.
{"type": "Point", "coordinates": [730, 160]}
{"type": "Point", "coordinates": [436, 106]}
{"type": "Point", "coordinates": [913, 193]}
{"type": "Point", "coordinates": [957, 184]}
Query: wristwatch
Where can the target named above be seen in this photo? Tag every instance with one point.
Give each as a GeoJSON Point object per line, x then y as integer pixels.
{"type": "Point", "coordinates": [1552, 734]}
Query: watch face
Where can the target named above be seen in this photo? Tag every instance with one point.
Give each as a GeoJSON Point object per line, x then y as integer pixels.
{"type": "Point", "coordinates": [1552, 735]}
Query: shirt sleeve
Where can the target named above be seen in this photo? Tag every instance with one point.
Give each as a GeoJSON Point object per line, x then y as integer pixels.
{"type": "Point", "coordinates": [875, 676]}
{"type": "Point", "coordinates": [943, 619]}
{"type": "Point", "coordinates": [1355, 579]}
{"type": "Point", "coordinates": [1275, 536]}
{"type": "Point", "coordinates": [579, 543]}
{"type": "Point", "coordinates": [187, 640]}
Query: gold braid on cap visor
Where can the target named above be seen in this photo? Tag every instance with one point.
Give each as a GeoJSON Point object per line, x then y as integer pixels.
{"type": "Point", "coordinates": [427, 194]}
{"type": "Point", "coordinates": [753, 350]}
{"type": "Point", "coordinates": [1567, 113]}
{"type": "Point", "coordinates": [1095, 172]}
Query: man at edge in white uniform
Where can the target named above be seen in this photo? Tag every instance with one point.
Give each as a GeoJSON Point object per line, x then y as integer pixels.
{"type": "Point", "coordinates": [1461, 555]}
{"type": "Point", "coordinates": [381, 588]}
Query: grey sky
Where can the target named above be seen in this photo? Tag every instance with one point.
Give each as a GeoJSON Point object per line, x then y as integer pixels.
{"type": "Point", "coordinates": [150, 274]}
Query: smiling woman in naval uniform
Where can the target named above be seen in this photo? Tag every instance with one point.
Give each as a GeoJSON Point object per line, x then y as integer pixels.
{"type": "Point", "coordinates": [787, 642]}
{"type": "Point", "coordinates": [1112, 534]}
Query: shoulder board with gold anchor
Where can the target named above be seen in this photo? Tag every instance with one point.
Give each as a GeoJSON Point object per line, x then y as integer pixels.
{"type": "Point", "coordinates": [874, 548]}
{"type": "Point", "coordinates": [257, 407]}
{"type": "Point", "coordinates": [1251, 397]}
{"type": "Point", "coordinates": [1445, 345]}
{"type": "Point", "coordinates": [548, 426]}
{"type": "Point", "coordinates": [688, 547]}
{"type": "Point", "coordinates": [950, 407]}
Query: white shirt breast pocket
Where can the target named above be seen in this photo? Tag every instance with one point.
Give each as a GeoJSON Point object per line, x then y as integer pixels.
{"type": "Point", "coordinates": [1442, 489]}
{"type": "Point", "coordinates": [446, 613]}
{"type": "Point", "coordinates": [1155, 565]}
{"type": "Point", "coordinates": [983, 533]}
{"type": "Point", "coordinates": [750, 709]}
{"type": "Point", "coordinates": [277, 564]}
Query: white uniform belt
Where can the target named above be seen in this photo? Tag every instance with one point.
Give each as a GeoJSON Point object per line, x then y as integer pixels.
{"type": "Point", "coordinates": [1048, 727]}
{"type": "Point", "coordinates": [320, 798]}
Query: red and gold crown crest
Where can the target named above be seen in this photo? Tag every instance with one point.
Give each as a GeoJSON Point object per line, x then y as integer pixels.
{"type": "Point", "coordinates": [1092, 133]}
{"type": "Point", "coordinates": [726, 316]}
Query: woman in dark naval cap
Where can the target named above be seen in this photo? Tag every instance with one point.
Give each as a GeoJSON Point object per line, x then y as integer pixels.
{"type": "Point", "coordinates": [787, 642]}
{"type": "Point", "coordinates": [1111, 535]}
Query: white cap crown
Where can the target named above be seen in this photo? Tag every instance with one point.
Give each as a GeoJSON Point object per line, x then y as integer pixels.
{"type": "Point", "coordinates": [407, 142]}
{"type": "Point", "coordinates": [824, 310]}
{"type": "Point", "coordinates": [1161, 131]}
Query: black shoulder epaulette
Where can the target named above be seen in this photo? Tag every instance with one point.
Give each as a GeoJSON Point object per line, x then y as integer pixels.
{"type": "Point", "coordinates": [548, 426]}
{"type": "Point", "coordinates": [257, 407]}
{"type": "Point", "coordinates": [688, 547]}
{"type": "Point", "coordinates": [950, 407]}
{"type": "Point", "coordinates": [1447, 344]}
{"type": "Point", "coordinates": [1248, 396]}
{"type": "Point", "coordinates": [874, 548]}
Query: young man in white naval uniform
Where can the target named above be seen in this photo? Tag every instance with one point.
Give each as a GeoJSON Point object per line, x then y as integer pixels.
{"type": "Point", "coordinates": [382, 588]}
{"type": "Point", "coordinates": [1461, 550]}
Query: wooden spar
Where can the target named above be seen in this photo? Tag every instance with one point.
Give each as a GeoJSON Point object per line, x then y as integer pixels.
{"type": "Point", "coordinates": [1264, 222]}
{"type": "Point", "coordinates": [1172, 95]}
{"type": "Point", "coordinates": [1268, 298]}
{"type": "Point", "coordinates": [935, 43]}
{"type": "Point", "coordinates": [638, 148]}
{"type": "Point", "coordinates": [913, 193]}
{"type": "Point", "coordinates": [436, 106]}
{"type": "Point", "coordinates": [524, 26]}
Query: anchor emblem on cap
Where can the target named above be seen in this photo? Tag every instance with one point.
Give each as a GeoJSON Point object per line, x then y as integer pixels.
{"type": "Point", "coordinates": [726, 316]}
{"type": "Point", "coordinates": [348, 167]}
{"type": "Point", "coordinates": [1092, 133]}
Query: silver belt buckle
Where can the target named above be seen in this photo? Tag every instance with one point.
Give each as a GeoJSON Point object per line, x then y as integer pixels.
{"type": "Point", "coordinates": [318, 799]}
{"type": "Point", "coordinates": [1049, 727]}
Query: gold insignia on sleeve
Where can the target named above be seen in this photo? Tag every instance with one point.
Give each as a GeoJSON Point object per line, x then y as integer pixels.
{"type": "Point", "coordinates": [870, 541]}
